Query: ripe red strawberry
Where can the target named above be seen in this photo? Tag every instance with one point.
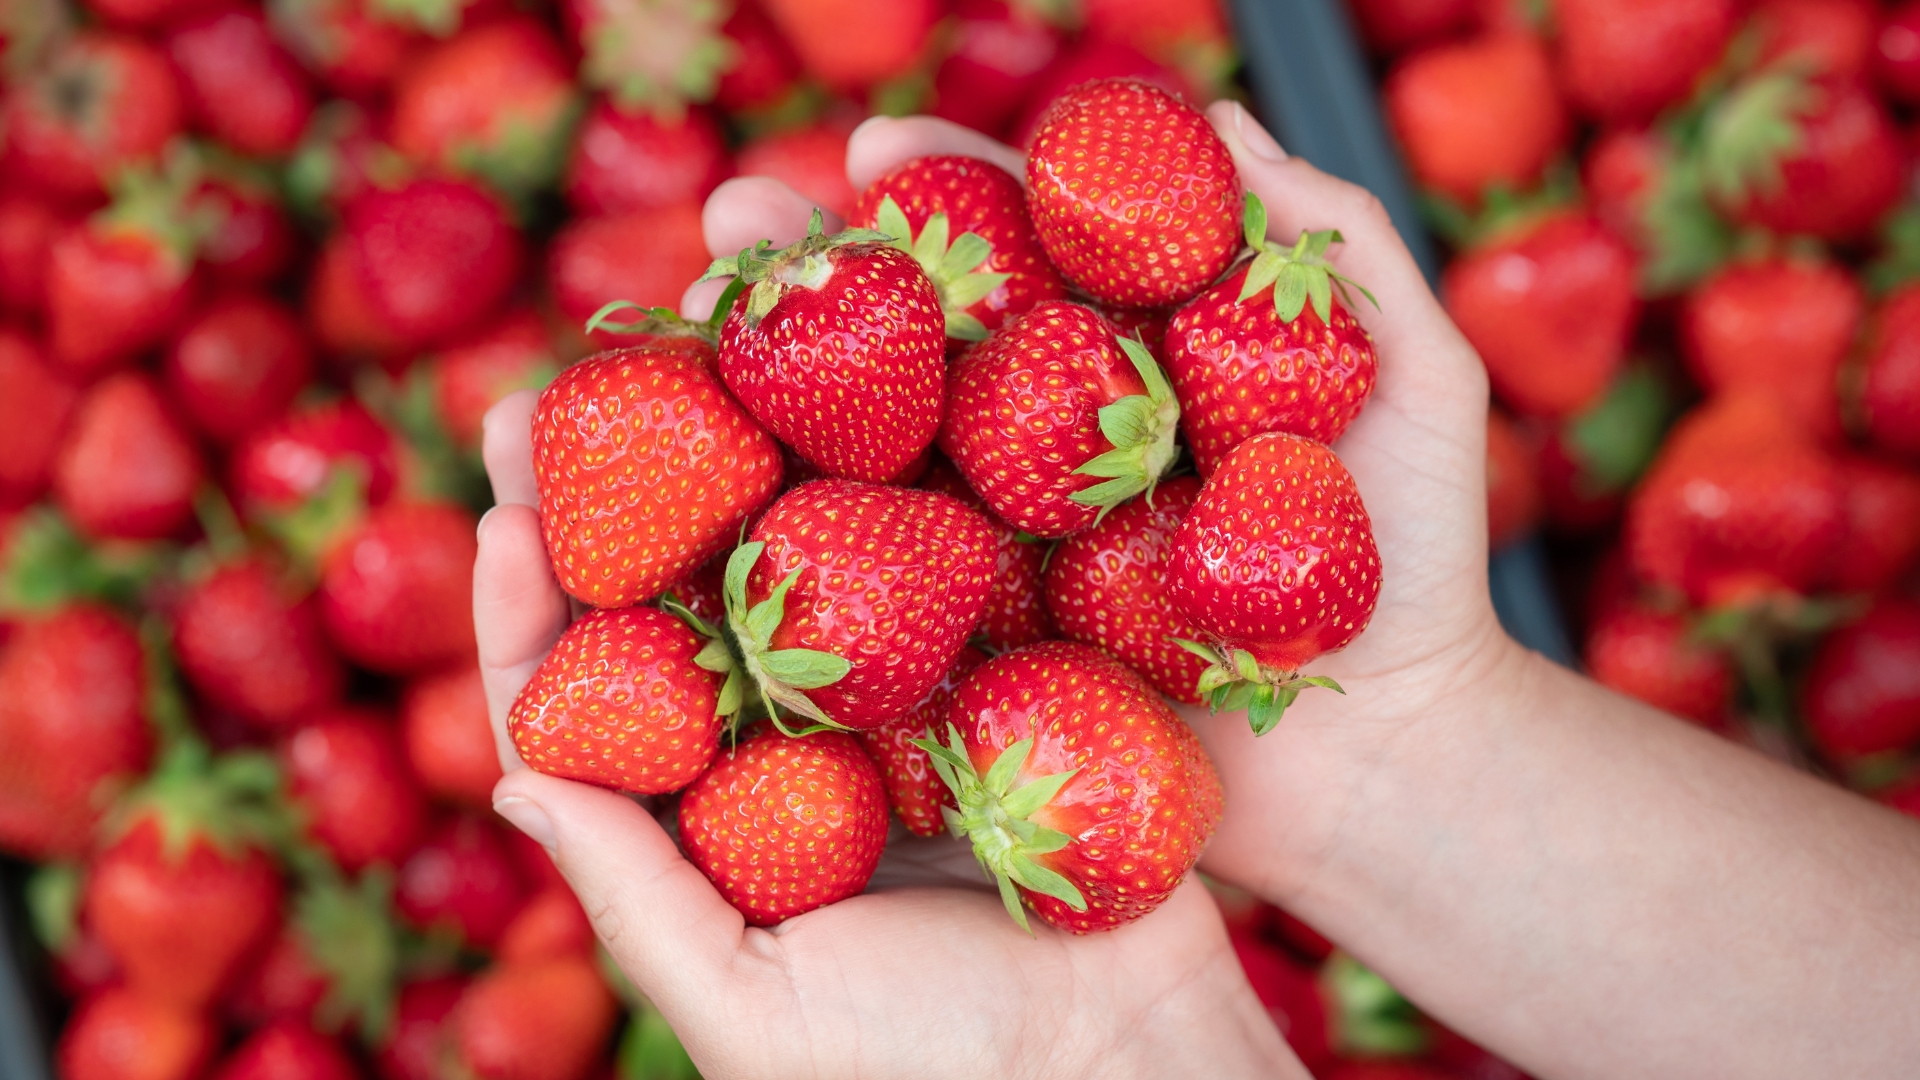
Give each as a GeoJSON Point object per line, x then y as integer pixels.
{"type": "Point", "coordinates": [496, 101]}
{"type": "Point", "coordinates": [346, 44]}
{"type": "Point", "coordinates": [551, 925]}
{"type": "Point", "coordinates": [434, 257]}
{"type": "Point", "coordinates": [630, 699]}
{"type": "Point", "coordinates": [811, 160]}
{"type": "Point", "coordinates": [977, 198]}
{"type": "Point", "coordinates": [349, 781]}
{"type": "Point", "coordinates": [538, 1020]}
{"type": "Point", "coordinates": [1622, 172]}
{"type": "Point", "coordinates": [469, 377]}
{"type": "Point", "coordinates": [649, 57]}
{"type": "Point", "coordinates": [1739, 504]}
{"type": "Point", "coordinates": [1889, 399]}
{"type": "Point", "coordinates": [103, 102]}
{"type": "Point", "coordinates": [646, 256]}
{"type": "Point", "coordinates": [1391, 27]}
{"type": "Point", "coordinates": [287, 1051]}
{"type": "Point", "coordinates": [1053, 421]}
{"type": "Point", "coordinates": [1292, 997]}
{"type": "Point", "coordinates": [850, 601]}
{"type": "Point", "coordinates": [462, 878]}
{"type": "Point", "coordinates": [118, 1034]}
{"type": "Point", "coordinates": [1189, 34]}
{"type": "Point", "coordinates": [1087, 60]}
{"type": "Point", "coordinates": [1650, 654]}
{"type": "Point", "coordinates": [1626, 60]}
{"type": "Point", "coordinates": [1831, 37]}
{"type": "Point", "coordinates": [1896, 54]}
{"type": "Point", "coordinates": [641, 161]}
{"type": "Point", "coordinates": [251, 241]}
{"type": "Point", "coordinates": [448, 738]}
{"type": "Point", "coordinates": [116, 286]}
{"type": "Point", "coordinates": [146, 14]}
{"type": "Point", "coordinates": [1513, 486]}
{"type": "Point", "coordinates": [1478, 113]}
{"type": "Point", "coordinates": [1881, 503]}
{"type": "Point", "coordinates": [35, 404]}
{"type": "Point", "coordinates": [1274, 565]}
{"type": "Point", "coordinates": [28, 227]}
{"type": "Point", "coordinates": [782, 826]}
{"type": "Point", "coordinates": [284, 982]}
{"type": "Point", "coordinates": [249, 641]}
{"type": "Point", "coordinates": [240, 85]}
{"type": "Point", "coordinates": [999, 52]}
{"type": "Point", "coordinates": [1269, 348]}
{"type": "Point", "coordinates": [184, 896]}
{"type": "Point", "coordinates": [294, 458]}
{"type": "Point", "coordinates": [646, 469]}
{"type": "Point", "coordinates": [764, 71]}
{"type": "Point", "coordinates": [73, 728]}
{"type": "Point", "coordinates": [396, 593]}
{"type": "Point", "coordinates": [1103, 152]}
{"type": "Point", "coordinates": [1779, 327]}
{"type": "Point", "coordinates": [703, 592]}
{"type": "Point", "coordinates": [1107, 587]}
{"type": "Point", "coordinates": [414, 1047]}
{"type": "Point", "coordinates": [1903, 798]}
{"type": "Point", "coordinates": [1550, 307]}
{"type": "Point", "coordinates": [851, 45]}
{"type": "Point", "coordinates": [1862, 693]}
{"type": "Point", "coordinates": [1820, 157]}
{"type": "Point", "coordinates": [799, 336]}
{"type": "Point", "coordinates": [237, 365]}
{"type": "Point", "coordinates": [1084, 795]}
{"type": "Point", "coordinates": [1016, 613]}
{"type": "Point", "coordinates": [1587, 463]}
{"type": "Point", "coordinates": [129, 469]}
{"type": "Point", "coordinates": [914, 791]}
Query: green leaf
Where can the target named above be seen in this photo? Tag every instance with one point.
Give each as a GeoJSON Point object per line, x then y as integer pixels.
{"type": "Point", "coordinates": [964, 327]}
{"type": "Point", "coordinates": [1262, 272]}
{"type": "Point", "coordinates": [739, 568]}
{"type": "Point", "coordinates": [1000, 775]}
{"type": "Point", "coordinates": [893, 222]}
{"type": "Point", "coordinates": [1204, 652]}
{"type": "Point", "coordinates": [724, 306]}
{"type": "Point", "coordinates": [1124, 461]}
{"type": "Point", "coordinates": [1037, 878]}
{"type": "Point", "coordinates": [1127, 422]}
{"type": "Point", "coordinates": [1214, 678]}
{"type": "Point", "coordinates": [1746, 135]}
{"type": "Point", "coordinates": [1011, 897]}
{"type": "Point", "coordinates": [729, 266]}
{"type": "Point", "coordinates": [1246, 665]}
{"type": "Point", "coordinates": [1616, 439]}
{"type": "Point", "coordinates": [651, 1051]}
{"type": "Point", "coordinates": [963, 292]}
{"type": "Point", "coordinates": [931, 247]}
{"type": "Point", "coordinates": [1030, 797]}
{"type": "Point", "coordinates": [1315, 680]}
{"type": "Point", "coordinates": [1042, 840]}
{"type": "Point", "coordinates": [732, 694]}
{"type": "Point", "coordinates": [764, 617]}
{"type": "Point", "coordinates": [1254, 220]}
{"type": "Point", "coordinates": [1320, 294]}
{"type": "Point", "coordinates": [53, 903]}
{"type": "Point", "coordinates": [1266, 708]}
{"type": "Point", "coordinates": [1110, 493]}
{"type": "Point", "coordinates": [859, 236]}
{"type": "Point", "coordinates": [1158, 388]}
{"type": "Point", "coordinates": [1290, 292]}
{"type": "Point", "coordinates": [969, 250]}
{"type": "Point", "coordinates": [714, 656]}
{"type": "Point", "coordinates": [805, 669]}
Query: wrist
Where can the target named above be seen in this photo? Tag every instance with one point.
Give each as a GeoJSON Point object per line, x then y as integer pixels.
{"type": "Point", "coordinates": [1211, 1027]}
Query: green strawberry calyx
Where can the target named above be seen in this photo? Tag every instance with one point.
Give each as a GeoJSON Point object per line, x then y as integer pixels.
{"type": "Point", "coordinates": [1746, 134]}
{"type": "Point", "coordinates": [781, 675]}
{"type": "Point", "coordinates": [1141, 428]}
{"type": "Point", "coordinates": [1299, 275]}
{"type": "Point", "coordinates": [998, 818]}
{"type": "Point", "coordinates": [662, 321]}
{"type": "Point", "coordinates": [232, 801]}
{"type": "Point", "coordinates": [718, 655]}
{"type": "Point", "coordinates": [658, 56]}
{"type": "Point", "coordinates": [768, 274]}
{"type": "Point", "coordinates": [954, 268]}
{"type": "Point", "coordinates": [1235, 680]}
{"type": "Point", "coordinates": [349, 931]}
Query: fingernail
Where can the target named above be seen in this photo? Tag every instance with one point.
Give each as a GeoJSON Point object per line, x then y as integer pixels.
{"type": "Point", "coordinates": [1254, 137]}
{"type": "Point", "coordinates": [526, 815]}
{"type": "Point", "coordinates": [480, 529]}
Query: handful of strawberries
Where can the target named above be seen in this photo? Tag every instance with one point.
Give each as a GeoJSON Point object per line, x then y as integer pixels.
{"type": "Point", "coordinates": [787, 579]}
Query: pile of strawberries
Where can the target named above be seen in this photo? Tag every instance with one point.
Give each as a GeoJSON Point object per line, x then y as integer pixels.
{"type": "Point", "coordinates": [1685, 247]}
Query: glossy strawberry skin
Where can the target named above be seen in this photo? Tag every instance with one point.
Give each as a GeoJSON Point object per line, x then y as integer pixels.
{"type": "Point", "coordinates": [1476, 113]}
{"type": "Point", "coordinates": [1778, 327]}
{"type": "Point", "coordinates": [620, 703]}
{"type": "Point", "coordinates": [1277, 555]}
{"type": "Point", "coordinates": [999, 53]}
{"type": "Point", "coordinates": [435, 257]}
{"type": "Point", "coordinates": [1862, 694]}
{"type": "Point", "coordinates": [1848, 170]}
{"type": "Point", "coordinates": [462, 878]}
{"type": "Point", "coordinates": [120, 1034]}
{"type": "Point", "coordinates": [111, 294]}
{"type": "Point", "coordinates": [645, 256]}
{"type": "Point", "coordinates": [646, 469]}
{"type": "Point", "coordinates": [1016, 612]}
{"type": "Point", "coordinates": [414, 1046]}
{"type": "Point", "coordinates": [129, 468]}
{"type": "Point", "coordinates": [291, 459]}
{"type": "Point", "coordinates": [348, 777]}
{"type": "Point", "coordinates": [103, 102]}
{"type": "Point", "coordinates": [1144, 799]}
{"type": "Point", "coordinates": [782, 826]}
{"type": "Point", "coordinates": [640, 161]}
{"type": "Point", "coordinates": [255, 241]}
{"type": "Point", "coordinates": [1890, 389]}
{"type": "Point", "coordinates": [979, 198]}
{"type": "Point", "coordinates": [1023, 412]}
{"type": "Point", "coordinates": [535, 1019]}
{"type": "Point", "coordinates": [239, 84]}
{"type": "Point", "coordinates": [249, 641]}
{"type": "Point", "coordinates": [448, 737]}
{"type": "Point", "coordinates": [1647, 654]}
{"type": "Point", "coordinates": [1103, 154]}
{"type": "Point", "coordinates": [396, 594]}
{"type": "Point", "coordinates": [889, 38]}
{"type": "Point", "coordinates": [875, 324]}
{"type": "Point", "coordinates": [1239, 371]}
{"type": "Point", "coordinates": [470, 376]}
{"type": "Point", "coordinates": [1625, 60]}
{"type": "Point", "coordinates": [893, 580]}
{"type": "Point", "coordinates": [35, 404]}
{"type": "Point", "coordinates": [237, 364]}
{"type": "Point", "coordinates": [1107, 587]}
{"type": "Point", "coordinates": [287, 1051]}
{"type": "Point", "coordinates": [915, 791]}
{"type": "Point", "coordinates": [1881, 503]}
{"type": "Point", "coordinates": [28, 226]}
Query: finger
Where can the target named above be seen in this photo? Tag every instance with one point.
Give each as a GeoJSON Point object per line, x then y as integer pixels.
{"type": "Point", "coordinates": [748, 209]}
{"type": "Point", "coordinates": [882, 143]}
{"type": "Point", "coordinates": [519, 611]}
{"type": "Point", "coordinates": [506, 446]}
{"type": "Point", "coordinates": [697, 302]}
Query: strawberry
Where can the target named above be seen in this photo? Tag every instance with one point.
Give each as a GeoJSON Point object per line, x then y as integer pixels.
{"type": "Point", "coordinates": [811, 160]}
{"type": "Point", "coordinates": [889, 39]}
{"type": "Point", "coordinates": [1889, 392]}
{"type": "Point", "coordinates": [1513, 486]}
{"type": "Point", "coordinates": [287, 1051]}
{"type": "Point", "coordinates": [1830, 37]}
{"type": "Point", "coordinates": [1103, 151]}
{"type": "Point", "coordinates": [1477, 114]}
{"type": "Point", "coordinates": [1391, 27]}
{"type": "Point", "coordinates": [414, 1046]}
{"type": "Point", "coordinates": [1088, 60]}
{"type": "Point", "coordinates": [915, 792]}
{"type": "Point", "coordinates": [1622, 173]}
{"type": "Point", "coordinates": [1000, 49]}
{"type": "Point", "coordinates": [240, 85]}
{"type": "Point", "coordinates": [703, 592]}
{"type": "Point", "coordinates": [1587, 463]}
{"type": "Point", "coordinates": [28, 227]}
{"type": "Point", "coordinates": [331, 964]}
{"type": "Point", "coordinates": [251, 241]}
{"type": "Point", "coordinates": [396, 593]}
{"type": "Point", "coordinates": [249, 641]}
{"type": "Point", "coordinates": [103, 102]}
{"type": "Point", "coordinates": [936, 197]}
{"type": "Point", "coordinates": [1083, 794]}
{"type": "Point", "coordinates": [1778, 327]}
{"type": "Point", "coordinates": [1107, 587]}
{"type": "Point", "coordinates": [434, 257]}
{"type": "Point", "coordinates": [184, 894]}
{"type": "Point", "coordinates": [782, 826]}
{"type": "Point", "coordinates": [1269, 348]}
{"type": "Point", "coordinates": [536, 1020]}
{"type": "Point", "coordinates": [1099, 430]}
{"type": "Point", "coordinates": [119, 1034]}
{"type": "Point", "coordinates": [292, 459]}
{"type": "Point", "coordinates": [1881, 502]}
{"type": "Point", "coordinates": [630, 699]}
{"type": "Point", "coordinates": [764, 72]}
{"type": "Point", "coordinates": [73, 728]}
{"type": "Point", "coordinates": [496, 101]}
{"type": "Point", "coordinates": [1862, 694]}
{"type": "Point", "coordinates": [646, 469]}
{"type": "Point", "coordinates": [825, 314]}
{"type": "Point", "coordinates": [35, 404]}
{"type": "Point", "coordinates": [1739, 504]}
{"type": "Point", "coordinates": [348, 778]}
{"type": "Point", "coordinates": [551, 925]}
{"type": "Point", "coordinates": [1291, 996]}
{"type": "Point", "coordinates": [1016, 614]}
{"type": "Point", "coordinates": [1145, 325]}
{"type": "Point", "coordinates": [129, 470]}
{"type": "Point", "coordinates": [1274, 565]}
{"type": "Point", "coordinates": [1896, 55]}
{"type": "Point", "coordinates": [652, 57]}
{"type": "Point", "coordinates": [145, 14]}
{"type": "Point", "coordinates": [645, 256]}
{"type": "Point", "coordinates": [1550, 307]}
{"type": "Point", "coordinates": [850, 600]}
{"type": "Point", "coordinates": [1904, 798]}
{"type": "Point", "coordinates": [448, 738]}
{"type": "Point", "coordinates": [470, 376]}
{"type": "Point", "coordinates": [1188, 34]}
{"type": "Point", "coordinates": [1651, 655]}
{"type": "Point", "coordinates": [284, 982]}
{"type": "Point", "coordinates": [237, 364]}
{"type": "Point", "coordinates": [346, 44]}
{"type": "Point", "coordinates": [1626, 60]}
{"type": "Point", "coordinates": [640, 161]}
{"type": "Point", "coordinates": [462, 878]}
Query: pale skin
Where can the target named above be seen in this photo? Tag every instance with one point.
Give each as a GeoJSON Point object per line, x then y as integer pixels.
{"type": "Point", "coordinates": [1577, 881]}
